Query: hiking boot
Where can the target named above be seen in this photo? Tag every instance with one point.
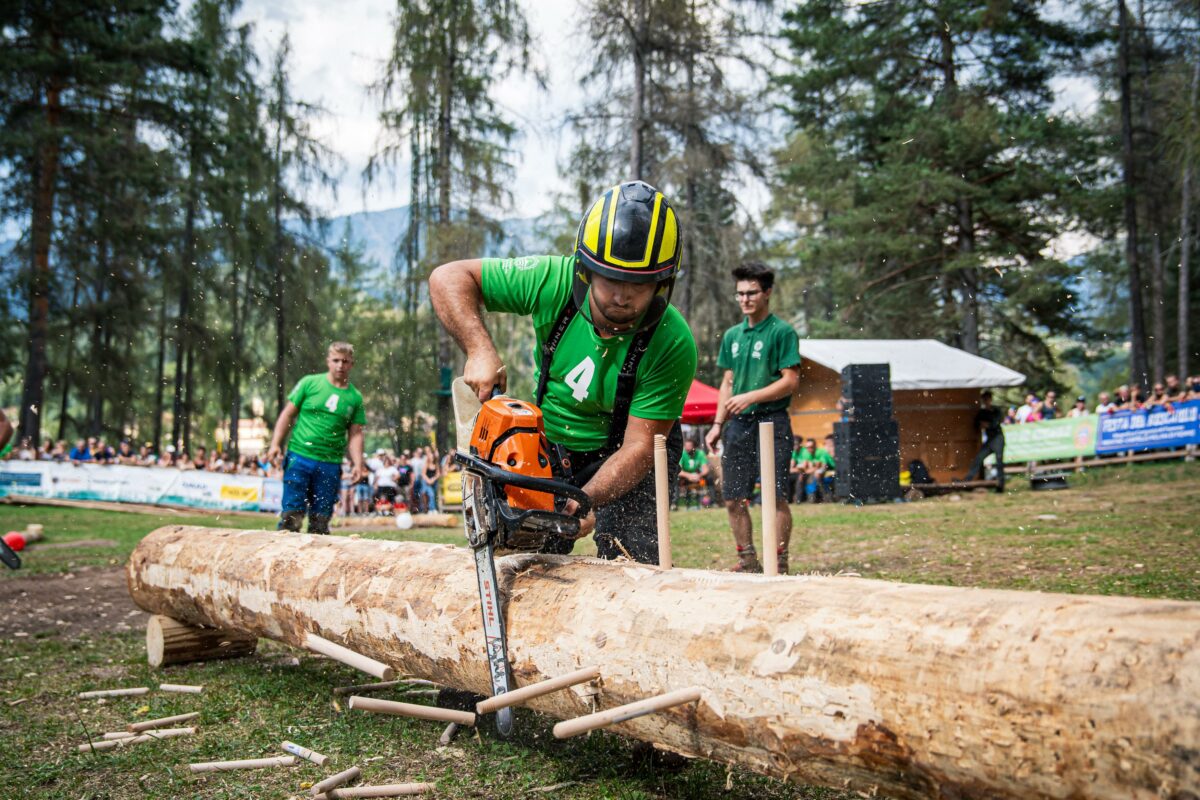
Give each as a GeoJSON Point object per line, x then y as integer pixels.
{"type": "Point", "coordinates": [747, 561]}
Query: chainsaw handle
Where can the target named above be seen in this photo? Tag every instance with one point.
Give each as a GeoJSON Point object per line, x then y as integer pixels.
{"type": "Point", "coordinates": [502, 477]}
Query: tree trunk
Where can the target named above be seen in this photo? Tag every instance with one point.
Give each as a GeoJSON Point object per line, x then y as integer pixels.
{"type": "Point", "coordinates": [968, 275]}
{"type": "Point", "coordinates": [1158, 270]}
{"type": "Point", "coordinates": [160, 371]}
{"type": "Point", "coordinates": [64, 402]}
{"type": "Point", "coordinates": [902, 690]}
{"type": "Point", "coordinates": [1185, 236]}
{"type": "Point", "coordinates": [187, 269]}
{"type": "Point", "coordinates": [1137, 324]}
{"type": "Point", "coordinates": [41, 229]}
{"type": "Point", "coordinates": [445, 180]}
{"type": "Point", "coordinates": [280, 317]}
{"type": "Point", "coordinates": [637, 128]}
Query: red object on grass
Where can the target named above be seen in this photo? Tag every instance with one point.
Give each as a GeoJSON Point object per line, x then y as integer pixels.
{"type": "Point", "coordinates": [15, 540]}
{"type": "Point", "coordinates": [701, 404]}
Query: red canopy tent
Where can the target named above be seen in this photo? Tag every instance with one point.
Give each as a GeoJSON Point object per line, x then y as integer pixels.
{"type": "Point", "coordinates": [701, 404]}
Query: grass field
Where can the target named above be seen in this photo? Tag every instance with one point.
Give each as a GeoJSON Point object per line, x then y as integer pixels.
{"type": "Point", "coordinates": [1129, 531]}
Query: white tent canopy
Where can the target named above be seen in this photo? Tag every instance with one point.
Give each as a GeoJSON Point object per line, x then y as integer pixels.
{"type": "Point", "coordinates": [915, 363]}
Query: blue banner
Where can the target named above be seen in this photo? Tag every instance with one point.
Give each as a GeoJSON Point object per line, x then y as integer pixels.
{"type": "Point", "coordinates": [1149, 430]}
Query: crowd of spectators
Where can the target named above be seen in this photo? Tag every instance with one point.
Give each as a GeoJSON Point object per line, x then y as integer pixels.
{"type": "Point", "coordinates": [411, 477]}
{"type": "Point", "coordinates": [811, 469]}
{"type": "Point", "coordinates": [96, 450]}
{"type": "Point", "coordinates": [1162, 396]}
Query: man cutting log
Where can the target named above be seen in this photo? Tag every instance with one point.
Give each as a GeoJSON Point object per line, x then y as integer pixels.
{"type": "Point", "coordinates": [614, 358]}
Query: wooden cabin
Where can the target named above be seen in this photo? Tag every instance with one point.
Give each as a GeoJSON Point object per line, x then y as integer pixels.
{"type": "Point", "coordinates": [935, 394]}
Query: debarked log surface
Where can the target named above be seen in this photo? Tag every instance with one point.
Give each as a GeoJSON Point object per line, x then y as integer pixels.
{"type": "Point", "coordinates": [905, 690]}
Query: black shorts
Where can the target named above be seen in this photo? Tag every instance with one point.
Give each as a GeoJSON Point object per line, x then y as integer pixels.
{"type": "Point", "coordinates": [629, 524]}
{"type": "Point", "coordinates": [740, 466]}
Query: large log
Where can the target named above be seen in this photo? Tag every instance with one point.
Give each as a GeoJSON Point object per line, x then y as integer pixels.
{"type": "Point", "coordinates": [904, 690]}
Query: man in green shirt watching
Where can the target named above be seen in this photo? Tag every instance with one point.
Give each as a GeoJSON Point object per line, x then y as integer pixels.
{"type": "Point", "coordinates": [761, 359]}
{"type": "Point", "coordinates": [614, 358]}
{"type": "Point", "coordinates": [693, 466]}
{"type": "Point", "coordinates": [328, 412]}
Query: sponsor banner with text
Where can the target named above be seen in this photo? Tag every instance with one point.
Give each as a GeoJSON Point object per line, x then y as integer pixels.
{"type": "Point", "coordinates": [1051, 440]}
{"type": "Point", "coordinates": [1149, 430]}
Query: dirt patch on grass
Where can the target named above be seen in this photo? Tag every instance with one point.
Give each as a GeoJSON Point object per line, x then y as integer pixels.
{"type": "Point", "coordinates": [88, 600]}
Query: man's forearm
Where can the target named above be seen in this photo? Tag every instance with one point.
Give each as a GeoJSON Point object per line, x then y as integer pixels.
{"type": "Point", "coordinates": [620, 473]}
{"type": "Point", "coordinates": [356, 448]}
{"type": "Point", "coordinates": [723, 394]}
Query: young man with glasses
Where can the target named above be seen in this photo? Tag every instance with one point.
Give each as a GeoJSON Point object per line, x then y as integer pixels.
{"type": "Point", "coordinates": [761, 359]}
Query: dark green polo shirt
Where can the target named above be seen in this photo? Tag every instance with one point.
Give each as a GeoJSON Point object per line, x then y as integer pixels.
{"type": "Point", "coordinates": [757, 356]}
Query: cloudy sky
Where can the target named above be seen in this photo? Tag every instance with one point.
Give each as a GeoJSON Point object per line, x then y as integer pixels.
{"type": "Point", "coordinates": [338, 48]}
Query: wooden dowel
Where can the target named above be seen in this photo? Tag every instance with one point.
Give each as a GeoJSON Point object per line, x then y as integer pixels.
{"type": "Point", "coordinates": [602, 719]}
{"type": "Point", "coordinates": [766, 460]}
{"type": "Point", "coordinates": [333, 781]}
{"type": "Point", "coordinates": [119, 735]}
{"type": "Point", "coordinates": [662, 500]}
{"type": "Point", "coordinates": [150, 736]}
{"type": "Point", "coordinates": [375, 687]}
{"type": "Point", "coordinates": [164, 722]}
{"type": "Point", "coordinates": [249, 763]}
{"type": "Point", "coordinates": [411, 710]}
{"type": "Point", "coordinates": [517, 696]}
{"type": "Point", "coordinates": [305, 753]}
{"type": "Point", "coordinates": [180, 688]}
{"type": "Point", "coordinates": [388, 790]}
{"type": "Point", "coordinates": [448, 734]}
{"type": "Point", "coordinates": [114, 693]}
{"type": "Point", "coordinates": [349, 657]}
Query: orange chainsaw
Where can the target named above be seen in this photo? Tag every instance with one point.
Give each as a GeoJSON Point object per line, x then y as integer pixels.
{"type": "Point", "coordinates": [511, 501]}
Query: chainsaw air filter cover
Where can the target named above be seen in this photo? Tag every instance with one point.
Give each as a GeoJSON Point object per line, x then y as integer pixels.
{"type": "Point", "coordinates": [509, 433]}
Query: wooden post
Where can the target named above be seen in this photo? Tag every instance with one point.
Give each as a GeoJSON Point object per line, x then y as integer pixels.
{"type": "Point", "coordinates": [411, 710]}
{"type": "Point", "coordinates": [135, 692]}
{"type": "Point", "coordinates": [766, 460]}
{"type": "Point", "coordinates": [333, 781]}
{"type": "Point", "coordinates": [169, 641]}
{"type": "Point", "coordinates": [602, 719]}
{"type": "Point", "coordinates": [248, 763]}
{"type": "Point", "coordinates": [388, 790]}
{"type": "Point", "coordinates": [164, 722]}
{"type": "Point", "coordinates": [662, 497]}
{"type": "Point", "coordinates": [518, 696]}
{"type": "Point", "coordinates": [847, 682]}
{"type": "Point", "coordinates": [149, 736]}
{"type": "Point", "coordinates": [180, 688]}
{"type": "Point", "coordinates": [349, 657]}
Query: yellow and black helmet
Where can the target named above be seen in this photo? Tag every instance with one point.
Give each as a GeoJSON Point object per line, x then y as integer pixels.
{"type": "Point", "coordinates": [631, 234]}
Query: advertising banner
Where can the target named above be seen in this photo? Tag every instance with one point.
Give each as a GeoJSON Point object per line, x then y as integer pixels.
{"type": "Point", "coordinates": [1149, 430]}
{"type": "Point", "coordinates": [115, 483]}
{"type": "Point", "coordinates": [1052, 440]}
{"type": "Point", "coordinates": [272, 495]}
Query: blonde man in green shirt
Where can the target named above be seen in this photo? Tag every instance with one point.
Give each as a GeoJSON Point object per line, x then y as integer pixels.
{"type": "Point", "coordinates": [615, 358]}
{"type": "Point", "coordinates": [328, 415]}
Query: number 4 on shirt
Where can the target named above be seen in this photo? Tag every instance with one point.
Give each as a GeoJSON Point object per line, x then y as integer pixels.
{"type": "Point", "coordinates": [331, 404]}
{"type": "Point", "coordinates": [580, 379]}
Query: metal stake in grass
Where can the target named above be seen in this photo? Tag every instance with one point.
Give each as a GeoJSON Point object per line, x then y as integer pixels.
{"type": "Point", "coordinates": [602, 719]}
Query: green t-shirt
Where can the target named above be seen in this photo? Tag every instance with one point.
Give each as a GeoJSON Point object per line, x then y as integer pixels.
{"type": "Point", "coordinates": [582, 385]}
{"type": "Point", "coordinates": [822, 457]}
{"type": "Point", "coordinates": [692, 462]}
{"type": "Point", "coordinates": [757, 357]}
{"type": "Point", "coordinates": [801, 456]}
{"type": "Point", "coordinates": [326, 414]}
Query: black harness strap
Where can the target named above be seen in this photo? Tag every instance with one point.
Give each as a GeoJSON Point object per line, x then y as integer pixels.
{"type": "Point", "coordinates": [626, 378]}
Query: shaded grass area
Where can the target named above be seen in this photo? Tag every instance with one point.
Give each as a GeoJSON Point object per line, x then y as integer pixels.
{"type": "Point", "coordinates": [250, 706]}
{"type": "Point", "coordinates": [1128, 530]}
